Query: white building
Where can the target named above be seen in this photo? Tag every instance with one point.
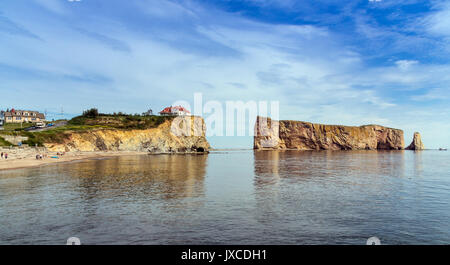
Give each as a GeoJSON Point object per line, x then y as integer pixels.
{"type": "Point", "coordinates": [175, 111]}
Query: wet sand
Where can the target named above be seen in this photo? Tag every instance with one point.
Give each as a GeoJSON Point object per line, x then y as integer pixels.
{"type": "Point", "coordinates": [30, 161]}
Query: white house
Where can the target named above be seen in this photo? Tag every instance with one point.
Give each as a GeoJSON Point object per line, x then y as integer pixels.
{"type": "Point", "coordinates": [175, 111]}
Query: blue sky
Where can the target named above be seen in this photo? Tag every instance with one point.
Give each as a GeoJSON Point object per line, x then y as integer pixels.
{"type": "Point", "coordinates": [325, 61]}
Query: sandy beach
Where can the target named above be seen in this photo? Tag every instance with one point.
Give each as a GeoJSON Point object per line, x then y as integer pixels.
{"type": "Point", "coordinates": [29, 160]}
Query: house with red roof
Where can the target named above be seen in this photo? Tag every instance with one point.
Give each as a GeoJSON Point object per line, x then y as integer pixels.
{"type": "Point", "coordinates": [175, 111]}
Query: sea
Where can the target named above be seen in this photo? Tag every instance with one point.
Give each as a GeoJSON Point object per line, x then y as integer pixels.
{"type": "Point", "coordinates": [232, 197]}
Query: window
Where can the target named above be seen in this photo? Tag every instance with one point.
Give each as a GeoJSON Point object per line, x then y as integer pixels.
{"type": "Point", "coordinates": [18, 118]}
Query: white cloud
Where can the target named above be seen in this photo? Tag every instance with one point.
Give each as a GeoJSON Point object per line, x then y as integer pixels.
{"type": "Point", "coordinates": [52, 5]}
{"type": "Point", "coordinates": [277, 3]}
{"type": "Point", "coordinates": [307, 68]}
{"type": "Point", "coordinates": [438, 23]}
{"type": "Point", "coordinates": [432, 94]}
{"type": "Point", "coordinates": [164, 9]}
{"type": "Point", "coordinates": [406, 64]}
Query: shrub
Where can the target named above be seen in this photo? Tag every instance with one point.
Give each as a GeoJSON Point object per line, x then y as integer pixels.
{"type": "Point", "coordinates": [91, 113]}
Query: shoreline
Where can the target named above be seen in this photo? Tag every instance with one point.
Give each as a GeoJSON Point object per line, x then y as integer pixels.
{"type": "Point", "coordinates": [28, 162]}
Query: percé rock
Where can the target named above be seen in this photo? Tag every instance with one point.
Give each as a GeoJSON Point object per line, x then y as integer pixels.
{"type": "Point", "coordinates": [272, 134]}
{"type": "Point", "coordinates": [183, 134]}
{"type": "Point", "coordinates": [416, 143]}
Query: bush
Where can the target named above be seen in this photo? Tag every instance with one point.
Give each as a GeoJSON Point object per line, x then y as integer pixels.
{"type": "Point", "coordinates": [91, 113]}
{"type": "Point", "coordinates": [79, 120]}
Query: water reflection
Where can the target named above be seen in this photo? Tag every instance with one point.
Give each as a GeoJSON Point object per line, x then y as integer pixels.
{"type": "Point", "coordinates": [271, 166]}
{"type": "Point", "coordinates": [245, 197]}
{"type": "Point", "coordinates": [298, 186]}
{"type": "Point", "coordinates": [418, 163]}
{"type": "Point", "coordinates": [158, 176]}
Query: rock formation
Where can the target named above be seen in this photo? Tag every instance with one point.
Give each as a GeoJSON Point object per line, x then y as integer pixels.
{"type": "Point", "coordinates": [183, 134]}
{"type": "Point", "coordinates": [271, 134]}
{"type": "Point", "coordinates": [416, 143]}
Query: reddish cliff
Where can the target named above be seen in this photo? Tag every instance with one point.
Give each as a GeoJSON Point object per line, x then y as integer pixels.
{"type": "Point", "coordinates": [271, 134]}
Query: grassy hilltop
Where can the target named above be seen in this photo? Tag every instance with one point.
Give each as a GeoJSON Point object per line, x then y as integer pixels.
{"type": "Point", "coordinates": [89, 120]}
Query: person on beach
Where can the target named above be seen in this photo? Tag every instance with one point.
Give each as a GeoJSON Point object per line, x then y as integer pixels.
{"type": "Point", "coordinates": [2, 155]}
{"type": "Point", "coordinates": [6, 155]}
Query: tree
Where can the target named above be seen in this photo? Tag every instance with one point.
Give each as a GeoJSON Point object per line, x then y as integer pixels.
{"type": "Point", "coordinates": [91, 113]}
{"type": "Point", "coordinates": [148, 113]}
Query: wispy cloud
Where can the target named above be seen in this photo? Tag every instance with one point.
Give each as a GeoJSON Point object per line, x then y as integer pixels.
{"type": "Point", "coordinates": [9, 27]}
{"type": "Point", "coordinates": [438, 22]}
{"type": "Point", "coordinates": [108, 41]}
{"type": "Point", "coordinates": [52, 5]}
{"type": "Point", "coordinates": [128, 56]}
{"type": "Point", "coordinates": [432, 95]}
{"type": "Point", "coordinates": [406, 64]}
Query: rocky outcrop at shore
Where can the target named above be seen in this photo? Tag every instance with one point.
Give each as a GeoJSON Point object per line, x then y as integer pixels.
{"type": "Point", "coordinates": [272, 134]}
{"type": "Point", "coordinates": [416, 143]}
{"type": "Point", "coordinates": [184, 134]}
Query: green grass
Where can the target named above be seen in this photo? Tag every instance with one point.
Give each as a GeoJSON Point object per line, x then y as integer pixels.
{"type": "Point", "coordinates": [39, 138]}
{"type": "Point", "coordinates": [82, 123]}
{"type": "Point", "coordinates": [121, 121]}
{"type": "Point", "coordinates": [16, 126]}
{"type": "Point", "coordinates": [3, 142]}
{"type": "Point", "coordinates": [55, 135]}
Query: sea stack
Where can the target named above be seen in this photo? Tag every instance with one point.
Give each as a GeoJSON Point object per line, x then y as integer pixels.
{"type": "Point", "coordinates": [416, 143]}
{"type": "Point", "coordinates": [299, 135]}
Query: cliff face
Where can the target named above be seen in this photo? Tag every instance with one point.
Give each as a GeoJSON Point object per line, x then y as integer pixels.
{"type": "Point", "coordinates": [416, 143]}
{"type": "Point", "coordinates": [183, 134]}
{"type": "Point", "coordinates": [271, 134]}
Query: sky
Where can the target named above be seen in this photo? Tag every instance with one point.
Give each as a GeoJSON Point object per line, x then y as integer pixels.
{"type": "Point", "coordinates": [336, 62]}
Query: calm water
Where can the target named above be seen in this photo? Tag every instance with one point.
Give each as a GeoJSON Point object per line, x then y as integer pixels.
{"type": "Point", "coordinates": [237, 197]}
